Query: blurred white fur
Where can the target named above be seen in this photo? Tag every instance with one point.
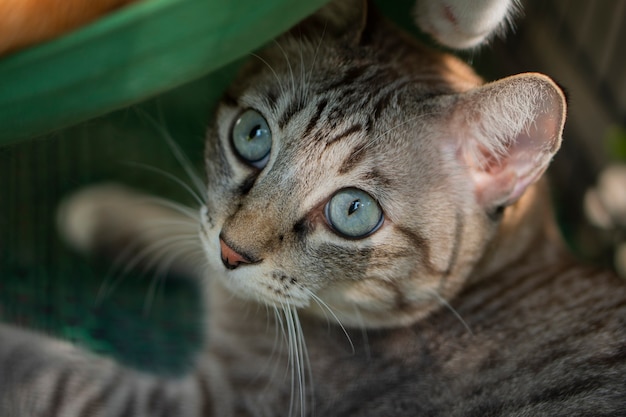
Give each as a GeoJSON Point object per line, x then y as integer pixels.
{"type": "Point", "coordinates": [465, 24]}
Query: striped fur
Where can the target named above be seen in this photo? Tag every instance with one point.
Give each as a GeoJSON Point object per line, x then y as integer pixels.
{"type": "Point", "coordinates": [463, 303]}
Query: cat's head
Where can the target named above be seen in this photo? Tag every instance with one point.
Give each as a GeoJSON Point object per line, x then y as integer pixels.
{"type": "Point", "coordinates": [351, 167]}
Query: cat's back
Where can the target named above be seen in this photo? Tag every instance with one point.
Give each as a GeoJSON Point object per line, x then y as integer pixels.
{"type": "Point", "coordinates": [547, 341]}
{"type": "Point", "coordinates": [537, 341]}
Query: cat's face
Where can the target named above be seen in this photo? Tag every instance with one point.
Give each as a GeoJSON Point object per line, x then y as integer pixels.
{"type": "Point", "coordinates": [332, 182]}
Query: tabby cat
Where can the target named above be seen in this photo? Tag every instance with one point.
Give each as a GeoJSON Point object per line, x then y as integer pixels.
{"type": "Point", "coordinates": [378, 241]}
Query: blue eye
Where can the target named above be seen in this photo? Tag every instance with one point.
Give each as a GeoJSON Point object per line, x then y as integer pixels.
{"type": "Point", "coordinates": [252, 138]}
{"type": "Point", "coordinates": [353, 213]}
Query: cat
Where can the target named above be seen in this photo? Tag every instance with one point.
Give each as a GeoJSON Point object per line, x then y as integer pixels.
{"type": "Point", "coordinates": [27, 22]}
{"type": "Point", "coordinates": [377, 240]}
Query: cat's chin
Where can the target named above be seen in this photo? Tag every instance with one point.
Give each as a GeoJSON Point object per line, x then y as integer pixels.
{"type": "Point", "coordinates": [352, 307]}
{"type": "Point", "coordinates": [370, 319]}
{"type": "Point", "coordinates": [343, 305]}
{"type": "Point", "coordinates": [252, 287]}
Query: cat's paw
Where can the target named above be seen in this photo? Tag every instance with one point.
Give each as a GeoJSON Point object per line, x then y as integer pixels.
{"type": "Point", "coordinates": [464, 24]}
{"type": "Point", "coordinates": [116, 222]}
{"type": "Point", "coordinates": [91, 216]}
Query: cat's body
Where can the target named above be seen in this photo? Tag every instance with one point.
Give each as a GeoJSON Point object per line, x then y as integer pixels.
{"type": "Point", "coordinates": [451, 295]}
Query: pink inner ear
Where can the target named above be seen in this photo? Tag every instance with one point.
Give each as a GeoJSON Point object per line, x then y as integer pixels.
{"type": "Point", "coordinates": [495, 189]}
{"type": "Point", "coordinates": [501, 181]}
{"type": "Point", "coordinates": [513, 128]}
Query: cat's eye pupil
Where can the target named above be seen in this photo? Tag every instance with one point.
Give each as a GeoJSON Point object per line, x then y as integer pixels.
{"type": "Point", "coordinates": [353, 213]}
{"type": "Point", "coordinates": [256, 131]}
{"type": "Point", "coordinates": [252, 138]}
{"type": "Point", "coordinates": [354, 206]}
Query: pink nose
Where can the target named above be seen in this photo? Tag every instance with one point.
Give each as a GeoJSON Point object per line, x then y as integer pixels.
{"type": "Point", "coordinates": [231, 258]}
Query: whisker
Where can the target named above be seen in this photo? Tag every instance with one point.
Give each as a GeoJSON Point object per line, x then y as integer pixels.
{"type": "Point", "coordinates": [274, 357]}
{"type": "Point", "coordinates": [317, 48]}
{"type": "Point", "coordinates": [443, 302]}
{"type": "Point", "coordinates": [296, 345]}
{"type": "Point", "coordinates": [169, 176]}
{"type": "Point", "coordinates": [119, 270]}
{"type": "Point", "coordinates": [291, 359]}
{"type": "Point", "coordinates": [178, 207]}
{"type": "Point", "coordinates": [198, 260]}
{"type": "Point", "coordinates": [278, 79]}
{"type": "Point", "coordinates": [174, 223]}
{"type": "Point", "coordinates": [366, 344]}
{"type": "Point", "coordinates": [322, 304]}
{"type": "Point", "coordinates": [277, 334]}
{"type": "Point", "coordinates": [155, 249]}
{"type": "Point", "coordinates": [280, 321]}
{"type": "Point", "coordinates": [180, 156]}
{"type": "Point", "coordinates": [161, 274]}
{"type": "Point", "coordinates": [112, 275]}
{"type": "Point", "coordinates": [305, 363]}
{"type": "Point", "coordinates": [293, 80]}
{"type": "Point", "coordinates": [303, 81]}
{"type": "Point", "coordinates": [297, 355]}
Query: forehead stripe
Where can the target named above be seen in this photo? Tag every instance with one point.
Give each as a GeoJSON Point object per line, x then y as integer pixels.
{"type": "Point", "coordinates": [316, 117]}
{"type": "Point", "coordinates": [294, 107]}
{"type": "Point", "coordinates": [356, 155]}
{"type": "Point", "coordinates": [358, 127]}
{"type": "Point", "coordinates": [349, 77]}
{"type": "Point", "coordinates": [271, 99]}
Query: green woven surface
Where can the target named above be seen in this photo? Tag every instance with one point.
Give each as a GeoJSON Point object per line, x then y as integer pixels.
{"type": "Point", "coordinates": [157, 332]}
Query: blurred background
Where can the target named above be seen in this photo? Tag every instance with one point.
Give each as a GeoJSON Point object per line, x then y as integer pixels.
{"type": "Point", "coordinates": [153, 322]}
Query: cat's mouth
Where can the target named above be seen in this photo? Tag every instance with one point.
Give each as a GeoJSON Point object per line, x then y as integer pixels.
{"type": "Point", "coordinates": [272, 288]}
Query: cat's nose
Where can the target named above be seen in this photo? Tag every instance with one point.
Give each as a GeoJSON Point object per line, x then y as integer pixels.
{"type": "Point", "coordinates": [230, 257]}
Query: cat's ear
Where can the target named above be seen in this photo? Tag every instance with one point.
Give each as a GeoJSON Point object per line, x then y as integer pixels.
{"type": "Point", "coordinates": [506, 134]}
{"type": "Point", "coordinates": [345, 19]}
